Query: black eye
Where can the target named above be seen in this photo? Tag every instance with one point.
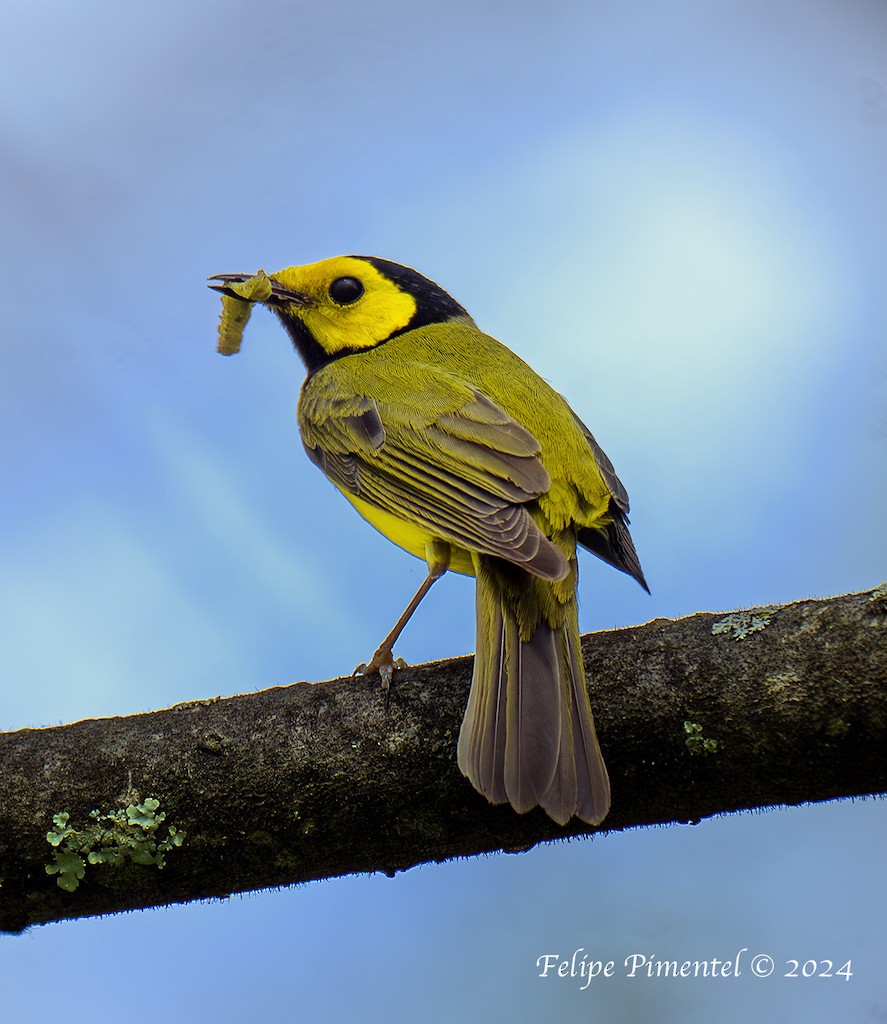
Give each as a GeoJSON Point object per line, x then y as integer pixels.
{"type": "Point", "coordinates": [345, 290]}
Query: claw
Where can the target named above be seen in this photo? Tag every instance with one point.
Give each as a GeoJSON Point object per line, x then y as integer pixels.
{"type": "Point", "coordinates": [385, 664]}
{"type": "Point", "coordinates": [385, 674]}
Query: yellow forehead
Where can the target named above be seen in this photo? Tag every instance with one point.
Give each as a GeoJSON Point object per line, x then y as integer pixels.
{"type": "Point", "coordinates": [382, 309]}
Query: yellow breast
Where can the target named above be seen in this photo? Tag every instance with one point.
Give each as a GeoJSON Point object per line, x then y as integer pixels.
{"type": "Point", "coordinates": [408, 536]}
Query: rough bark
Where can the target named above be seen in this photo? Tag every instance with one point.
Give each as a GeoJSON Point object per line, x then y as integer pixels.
{"type": "Point", "coordinates": [697, 716]}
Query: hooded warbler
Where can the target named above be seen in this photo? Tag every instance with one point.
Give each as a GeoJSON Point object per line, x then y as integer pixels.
{"type": "Point", "coordinates": [456, 450]}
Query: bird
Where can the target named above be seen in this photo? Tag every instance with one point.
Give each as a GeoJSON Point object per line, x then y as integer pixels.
{"type": "Point", "coordinates": [451, 446]}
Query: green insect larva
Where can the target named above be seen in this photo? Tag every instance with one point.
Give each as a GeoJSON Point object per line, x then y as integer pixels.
{"type": "Point", "coordinates": [236, 310]}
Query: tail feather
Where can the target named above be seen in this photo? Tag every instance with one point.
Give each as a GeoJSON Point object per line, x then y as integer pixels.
{"type": "Point", "coordinates": [592, 796]}
{"type": "Point", "coordinates": [559, 801]}
{"type": "Point", "coordinates": [481, 750]}
{"type": "Point", "coordinates": [528, 735]}
{"type": "Point", "coordinates": [533, 716]}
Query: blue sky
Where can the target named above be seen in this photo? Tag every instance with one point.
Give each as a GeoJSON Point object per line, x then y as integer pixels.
{"type": "Point", "coordinates": [675, 212]}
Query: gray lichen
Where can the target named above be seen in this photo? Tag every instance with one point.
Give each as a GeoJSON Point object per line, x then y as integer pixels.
{"type": "Point", "coordinates": [739, 625]}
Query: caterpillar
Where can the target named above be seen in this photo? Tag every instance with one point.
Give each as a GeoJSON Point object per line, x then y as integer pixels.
{"type": "Point", "coordinates": [236, 311]}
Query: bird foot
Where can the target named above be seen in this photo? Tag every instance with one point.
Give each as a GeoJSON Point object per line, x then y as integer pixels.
{"type": "Point", "coordinates": [383, 662]}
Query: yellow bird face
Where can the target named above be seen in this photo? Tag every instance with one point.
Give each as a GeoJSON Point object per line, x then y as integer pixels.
{"type": "Point", "coordinates": [345, 303]}
{"type": "Point", "coordinates": [349, 304]}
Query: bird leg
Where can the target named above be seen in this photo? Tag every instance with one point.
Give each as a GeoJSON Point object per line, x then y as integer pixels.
{"type": "Point", "coordinates": [437, 554]}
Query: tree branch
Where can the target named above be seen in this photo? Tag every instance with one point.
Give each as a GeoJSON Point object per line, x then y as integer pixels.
{"type": "Point", "coordinates": [697, 716]}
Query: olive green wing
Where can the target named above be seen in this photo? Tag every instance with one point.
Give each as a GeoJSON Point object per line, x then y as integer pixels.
{"type": "Point", "coordinates": [611, 542]}
{"type": "Point", "coordinates": [465, 472]}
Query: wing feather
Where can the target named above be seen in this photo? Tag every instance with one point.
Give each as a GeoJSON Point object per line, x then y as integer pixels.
{"type": "Point", "coordinates": [466, 474]}
{"type": "Point", "coordinates": [611, 542]}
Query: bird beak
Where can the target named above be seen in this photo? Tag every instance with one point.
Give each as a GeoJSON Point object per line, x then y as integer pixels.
{"type": "Point", "coordinates": [280, 296]}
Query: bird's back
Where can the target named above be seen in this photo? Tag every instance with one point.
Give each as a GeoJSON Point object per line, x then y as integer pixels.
{"type": "Point", "coordinates": [433, 366]}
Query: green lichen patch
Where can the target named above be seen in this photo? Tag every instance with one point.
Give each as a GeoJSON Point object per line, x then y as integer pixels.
{"type": "Point", "coordinates": [739, 625]}
{"type": "Point", "coordinates": [131, 833]}
{"type": "Point", "coordinates": [695, 742]}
